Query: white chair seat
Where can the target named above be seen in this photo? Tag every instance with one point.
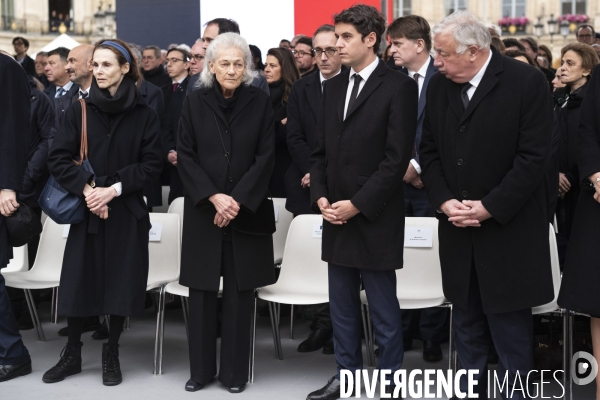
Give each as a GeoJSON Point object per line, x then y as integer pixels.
{"type": "Point", "coordinates": [293, 298]}
{"type": "Point", "coordinates": [412, 304]}
{"type": "Point", "coordinates": [178, 289]}
{"type": "Point", "coordinates": [27, 280]}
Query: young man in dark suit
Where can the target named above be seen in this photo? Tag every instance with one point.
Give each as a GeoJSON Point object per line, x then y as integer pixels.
{"type": "Point", "coordinates": [484, 155]}
{"type": "Point", "coordinates": [14, 136]}
{"type": "Point", "coordinates": [302, 112]}
{"type": "Point", "coordinates": [21, 45]}
{"type": "Point", "coordinates": [365, 135]}
{"type": "Point", "coordinates": [410, 38]}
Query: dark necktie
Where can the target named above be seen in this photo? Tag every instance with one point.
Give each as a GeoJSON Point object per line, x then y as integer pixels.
{"type": "Point", "coordinates": [83, 95]}
{"type": "Point", "coordinates": [59, 93]}
{"type": "Point", "coordinates": [463, 94]}
{"type": "Point", "coordinates": [175, 86]}
{"type": "Point", "coordinates": [354, 93]}
{"type": "Point", "coordinates": [416, 77]}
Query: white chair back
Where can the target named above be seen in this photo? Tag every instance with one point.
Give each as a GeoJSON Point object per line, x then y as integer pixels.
{"type": "Point", "coordinates": [165, 201]}
{"type": "Point", "coordinates": [302, 272]}
{"type": "Point", "coordinates": [284, 219]}
{"type": "Point", "coordinates": [165, 255]}
{"type": "Point", "coordinates": [420, 280]}
{"type": "Point", "coordinates": [555, 265]}
{"type": "Point", "coordinates": [176, 207]}
{"type": "Point", "coordinates": [50, 253]}
{"type": "Point", "coordinates": [19, 262]}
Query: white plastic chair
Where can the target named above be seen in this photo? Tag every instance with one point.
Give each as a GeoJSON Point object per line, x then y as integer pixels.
{"type": "Point", "coordinates": [45, 272]}
{"type": "Point", "coordinates": [283, 225]}
{"type": "Point", "coordinates": [419, 282]}
{"type": "Point", "coordinates": [303, 278]}
{"type": "Point", "coordinates": [165, 201]}
{"type": "Point", "coordinates": [19, 262]}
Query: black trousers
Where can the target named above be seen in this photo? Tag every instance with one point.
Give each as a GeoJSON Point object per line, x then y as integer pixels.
{"type": "Point", "coordinates": [512, 333]}
{"type": "Point", "coordinates": [12, 349]}
{"type": "Point", "coordinates": [235, 329]}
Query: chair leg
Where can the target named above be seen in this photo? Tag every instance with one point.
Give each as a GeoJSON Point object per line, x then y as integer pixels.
{"type": "Point", "coordinates": [34, 315]}
{"type": "Point", "coordinates": [275, 328]}
{"type": "Point", "coordinates": [127, 323]}
{"type": "Point", "coordinates": [55, 310]}
{"type": "Point", "coordinates": [253, 340]}
{"type": "Point", "coordinates": [292, 322]}
{"type": "Point", "coordinates": [566, 360]}
{"type": "Point", "coordinates": [107, 319]}
{"type": "Point", "coordinates": [451, 353]}
{"type": "Point", "coordinates": [53, 305]}
{"type": "Point", "coordinates": [160, 325]}
{"type": "Point", "coordinates": [367, 334]}
{"type": "Point", "coordinates": [186, 311]}
{"type": "Point", "coordinates": [569, 372]}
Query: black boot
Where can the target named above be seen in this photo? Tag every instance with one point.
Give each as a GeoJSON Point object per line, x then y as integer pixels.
{"type": "Point", "coordinates": [111, 368]}
{"type": "Point", "coordinates": [69, 364]}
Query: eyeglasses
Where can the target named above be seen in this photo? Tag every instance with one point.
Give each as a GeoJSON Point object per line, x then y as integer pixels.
{"type": "Point", "coordinates": [584, 36]}
{"type": "Point", "coordinates": [330, 51]}
{"type": "Point", "coordinates": [301, 53]}
{"type": "Point", "coordinates": [197, 57]}
{"type": "Point", "coordinates": [173, 60]}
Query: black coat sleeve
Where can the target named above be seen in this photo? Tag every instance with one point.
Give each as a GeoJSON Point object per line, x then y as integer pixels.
{"type": "Point", "coordinates": [15, 105]}
{"type": "Point", "coordinates": [252, 187]}
{"type": "Point", "coordinates": [64, 149]}
{"type": "Point", "coordinates": [295, 135]}
{"type": "Point", "coordinates": [318, 159]}
{"type": "Point", "coordinates": [400, 139]}
{"type": "Point", "coordinates": [44, 121]}
{"type": "Point", "coordinates": [589, 132]}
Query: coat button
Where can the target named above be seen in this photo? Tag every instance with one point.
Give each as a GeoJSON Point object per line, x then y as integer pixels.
{"type": "Point", "coordinates": [460, 161]}
{"type": "Point", "coordinates": [465, 193]}
{"type": "Point", "coordinates": [462, 128]}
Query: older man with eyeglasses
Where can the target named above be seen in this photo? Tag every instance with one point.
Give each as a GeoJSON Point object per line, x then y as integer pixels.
{"type": "Point", "coordinates": [304, 56]}
{"type": "Point", "coordinates": [197, 57]}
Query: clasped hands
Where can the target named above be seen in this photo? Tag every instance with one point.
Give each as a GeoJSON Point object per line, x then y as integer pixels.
{"type": "Point", "coordinates": [337, 213]}
{"type": "Point", "coordinates": [469, 213]}
{"type": "Point", "coordinates": [8, 202]}
{"type": "Point", "coordinates": [227, 209]}
{"type": "Point", "coordinates": [97, 199]}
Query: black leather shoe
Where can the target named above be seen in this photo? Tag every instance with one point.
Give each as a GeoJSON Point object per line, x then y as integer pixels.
{"type": "Point", "coordinates": [69, 364]}
{"type": "Point", "coordinates": [111, 368]}
{"type": "Point", "coordinates": [237, 389]}
{"type": "Point", "coordinates": [432, 351]}
{"type": "Point", "coordinates": [8, 372]}
{"type": "Point", "coordinates": [315, 340]}
{"type": "Point", "coordinates": [101, 332]}
{"type": "Point", "coordinates": [328, 348]}
{"type": "Point", "coordinates": [331, 391]}
{"type": "Point", "coordinates": [90, 325]}
{"type": "Point", "coordinates": [193, 386]}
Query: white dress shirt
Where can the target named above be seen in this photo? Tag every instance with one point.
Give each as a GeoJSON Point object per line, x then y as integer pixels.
{"type": "Point", "coordinates": [477, 78]}
{"type": "Point", "coordinates": [364, 74]}
{"type": "Point", "coordinates": [66, 88]}
{"type": "Point", "coordinates": [422, 72]}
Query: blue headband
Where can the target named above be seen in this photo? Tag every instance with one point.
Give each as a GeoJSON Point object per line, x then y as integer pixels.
{"type": "Point", "coordinates": [117, 46]}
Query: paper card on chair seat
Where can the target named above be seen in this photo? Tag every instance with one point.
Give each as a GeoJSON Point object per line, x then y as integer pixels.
{"type": "Point", "coordinates": [156, 231]}
{"type": "Point", "coordinates": [317, 231]}
{"type": "Point", "coordinates": [418, 237]}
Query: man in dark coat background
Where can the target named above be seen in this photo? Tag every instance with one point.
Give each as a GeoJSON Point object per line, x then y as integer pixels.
{"type": "Point", "coordinates": [152, 67]}
{"type": "Point", "coordinates": [302, 112]}
{"type": "Point", "coordinates": [365, 135]}
{"type": "Point", "coordinates": [410, 38]}
{"type": "Point", "coordinates": [484, 154]}
{"type": "Point", "coordinates": [14, 144]}
{"type": "Point", "coordinates": [21, 45]}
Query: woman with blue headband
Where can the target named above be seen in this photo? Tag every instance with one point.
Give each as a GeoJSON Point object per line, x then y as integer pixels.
{"type": "Point", "coordinates": [105, 265]}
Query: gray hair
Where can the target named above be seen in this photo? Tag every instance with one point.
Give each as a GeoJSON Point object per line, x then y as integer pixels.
{"type": "Point", "coordinates": [136, 51]}
{"type": "Point", "coordinates": [466, 29]}
{"type": "Point", "coordinates": [221, 42]}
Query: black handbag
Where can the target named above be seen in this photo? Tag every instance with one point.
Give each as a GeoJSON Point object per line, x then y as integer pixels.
{"type": "Point", "coordinates": [60, 205]}
{"type": "Point", "coordinates": [22, 225]}
{"type": "Point", "coordinates": [262, 222]}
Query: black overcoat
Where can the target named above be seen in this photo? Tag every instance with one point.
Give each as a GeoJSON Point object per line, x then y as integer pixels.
{"type": "Point", "coordinates": [581, 277]}
{"type": "Point", "coordinates": [105, 266]}
{"type": "Point", "coordinates": [14, 135]}
{"type": "Point", "coordinates": [250, 141]}
{"type": "Point", "coordinates": [363, 159]}
{"type": "Point", "coordinates": [302, 113]}
{"type": "Point", "coordinates": [496, 151]}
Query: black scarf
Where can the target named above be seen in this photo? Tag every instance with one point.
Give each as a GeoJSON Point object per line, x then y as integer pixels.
{"type": "Point", "coordinates": [277, 89]}
{"type": "Point", "coordinates": [226, 105]}
{"type": "Point", "coordinates": [124, 99]}
{"type": "Point", "coordinates": [573, 99]}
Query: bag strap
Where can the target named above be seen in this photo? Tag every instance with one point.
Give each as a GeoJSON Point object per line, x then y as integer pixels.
{"type": "Point", "coordinates": [83, 148]}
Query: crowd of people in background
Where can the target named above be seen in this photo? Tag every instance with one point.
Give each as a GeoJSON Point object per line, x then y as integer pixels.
{"type": "Point", "coordinates": [445, 104]}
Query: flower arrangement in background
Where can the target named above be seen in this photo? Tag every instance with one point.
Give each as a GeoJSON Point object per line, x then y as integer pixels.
{"type": "Point", "coordinates": [573, 18]}
{"type": "Point", "coordinates": [515, 21]}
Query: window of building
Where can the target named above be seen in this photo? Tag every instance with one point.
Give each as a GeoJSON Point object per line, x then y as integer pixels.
{"type": "Point", "coordinates": [513, 8]}
{"type": "Point", "coordinates": [402, 8]}
{"type": "Point", "coordinates": [61, 13]}
{"type": "Point", "coordinates": [6, 14]}
{"type": "Point", "coordinates": [455, 5]}
{"type": "Point", "coordinates": [574, 7]}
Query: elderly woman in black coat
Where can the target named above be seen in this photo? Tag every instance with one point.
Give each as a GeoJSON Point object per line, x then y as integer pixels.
{"type": "Point", "coordinates": [226, 153]}
{"type": "Point", "coordinates": [581, 277]}
{"type": "Point", "coordinates": [105, 265]}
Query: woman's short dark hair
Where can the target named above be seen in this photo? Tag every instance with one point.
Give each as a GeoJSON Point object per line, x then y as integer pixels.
{"type": "Point", "coordinates": [498, 44]}
{"type": "Point", "coordinates": [134, 72]}
{"type": "Point", "coordinates": [532, 43]}
{"type": "Point", "coordinates": [256, 53]}
{"type": "Point", "coordinates": [289, 70]}
{"type": "Point", "coordinates": [365, 19]}
{"type": "Point", "coordinates": [519, 53]}
{"type": "Point", "coordinates": [510, 42]}
{"type": "Point", "coordinates": [546, 50]}
{"type": "Point", "coordinates": [589, 57]}
{"type": "Point", "coordinates": [411, 27]}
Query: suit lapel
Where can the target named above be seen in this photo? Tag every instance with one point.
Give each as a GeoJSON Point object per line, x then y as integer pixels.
{"type": "Point", "coordinates": [431, 70]}
{"type": "Point", "coordinates": [313, 93]}
{"type": "Point", "coordinates": [487, 83]}
{"type": "Point", "coordinates": [345, 78]}
{"type": "Point", "coordinates": [372, 83]}
{"type": "Point", "coordinates": [454, 98]}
